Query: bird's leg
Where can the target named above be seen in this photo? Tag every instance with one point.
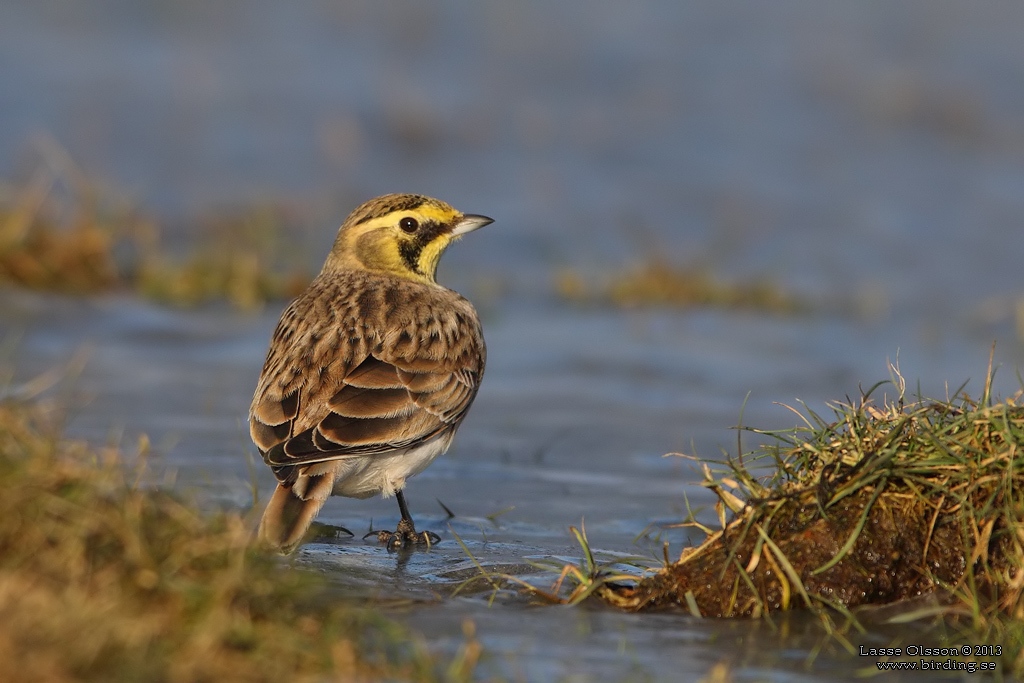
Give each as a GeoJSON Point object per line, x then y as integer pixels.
{"type": "Point", "coordinates": [405, 535]}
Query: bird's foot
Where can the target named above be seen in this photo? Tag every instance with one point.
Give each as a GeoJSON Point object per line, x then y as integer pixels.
{"type": "Point", "coordinates": [405, 537]}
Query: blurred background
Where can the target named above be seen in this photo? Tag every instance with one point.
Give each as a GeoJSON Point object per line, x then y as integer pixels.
{"type": "Point", "coordinates": [841, 183]}
{"type": "Point", "coordinates": [872, 149]}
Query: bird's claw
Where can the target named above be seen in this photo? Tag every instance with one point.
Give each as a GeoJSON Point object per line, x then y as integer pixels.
{"type": "Point", "coordinates": [327, 531]}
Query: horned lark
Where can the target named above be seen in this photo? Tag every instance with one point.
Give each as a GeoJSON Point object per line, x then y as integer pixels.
{"type": "Point", "coordinates": [370, 370]}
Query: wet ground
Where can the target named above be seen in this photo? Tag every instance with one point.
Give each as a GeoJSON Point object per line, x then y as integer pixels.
{"type": "Point", "coordinates": [866, 154]}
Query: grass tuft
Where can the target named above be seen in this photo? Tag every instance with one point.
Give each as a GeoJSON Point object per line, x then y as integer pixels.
{"type": "Point", "coordinates": [916, 503]}
{"type": "Point", "coordinates": [101, 580]}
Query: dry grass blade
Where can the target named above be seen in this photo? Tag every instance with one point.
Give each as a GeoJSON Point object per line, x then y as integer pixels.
{"type": "Point", "coordinates": [787, 567]}
{"type": "Point", "coordinates": [486, 575]}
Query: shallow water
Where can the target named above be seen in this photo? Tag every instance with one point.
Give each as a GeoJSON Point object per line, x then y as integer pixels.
{"type": "Point", "coordinates": [567, 430]}
{"type": "Point", "coordinates": [868, 154]}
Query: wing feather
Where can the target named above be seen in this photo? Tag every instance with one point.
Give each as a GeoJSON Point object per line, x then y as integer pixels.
{"type": "Point", "coordinates": [340, 381]}
{"type": "Point", "coordinates": [360, 402]}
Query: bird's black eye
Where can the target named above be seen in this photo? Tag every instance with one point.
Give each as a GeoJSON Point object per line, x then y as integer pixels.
{"type": "Point", "coordinates": [409, 224]}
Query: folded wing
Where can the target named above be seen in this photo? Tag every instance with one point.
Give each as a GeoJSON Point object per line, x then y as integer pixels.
{"type": "Point", "coordinates": [377, 407]}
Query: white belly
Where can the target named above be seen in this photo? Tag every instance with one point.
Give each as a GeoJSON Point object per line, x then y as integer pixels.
{"type": "Point", "coordinates": [362, 476]}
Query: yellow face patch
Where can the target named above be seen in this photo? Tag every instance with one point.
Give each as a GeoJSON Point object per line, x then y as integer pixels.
{"type": "Point", "coordinates": [406, 241]}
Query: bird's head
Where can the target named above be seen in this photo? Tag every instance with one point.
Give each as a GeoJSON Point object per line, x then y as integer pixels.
{"type": "Point", "coordinates": [400, 234]}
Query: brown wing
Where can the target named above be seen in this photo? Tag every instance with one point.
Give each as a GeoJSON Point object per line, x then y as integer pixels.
{"type": "Point", "coordinates": [349, 373]}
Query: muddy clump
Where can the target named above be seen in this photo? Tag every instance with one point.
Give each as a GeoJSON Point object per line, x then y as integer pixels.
{"type": "Point", "coordinates": [879, 505]}
{"type": "Point", "coordinates": [892, 559]}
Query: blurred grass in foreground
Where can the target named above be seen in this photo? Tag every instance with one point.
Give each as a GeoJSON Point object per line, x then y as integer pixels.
{"type": "Point", "coordinates": [102, 580]}
{"type": "Point", "coordinates": [58, 233]}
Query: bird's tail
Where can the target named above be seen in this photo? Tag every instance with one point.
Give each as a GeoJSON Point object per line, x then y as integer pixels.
{"type": "Point", "coordinates": [292, 509]}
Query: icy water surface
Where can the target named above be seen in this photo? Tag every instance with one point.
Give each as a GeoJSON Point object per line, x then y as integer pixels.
{"type": "Point", "coordinates": [867, 156]}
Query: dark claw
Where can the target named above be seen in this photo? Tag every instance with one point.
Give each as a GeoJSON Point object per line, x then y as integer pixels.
{"type": "Point", "coordinates": [328, 531]}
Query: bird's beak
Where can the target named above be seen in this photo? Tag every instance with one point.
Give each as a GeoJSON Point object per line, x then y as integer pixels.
{"type": "Point", "coordinates": [470, 222]}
